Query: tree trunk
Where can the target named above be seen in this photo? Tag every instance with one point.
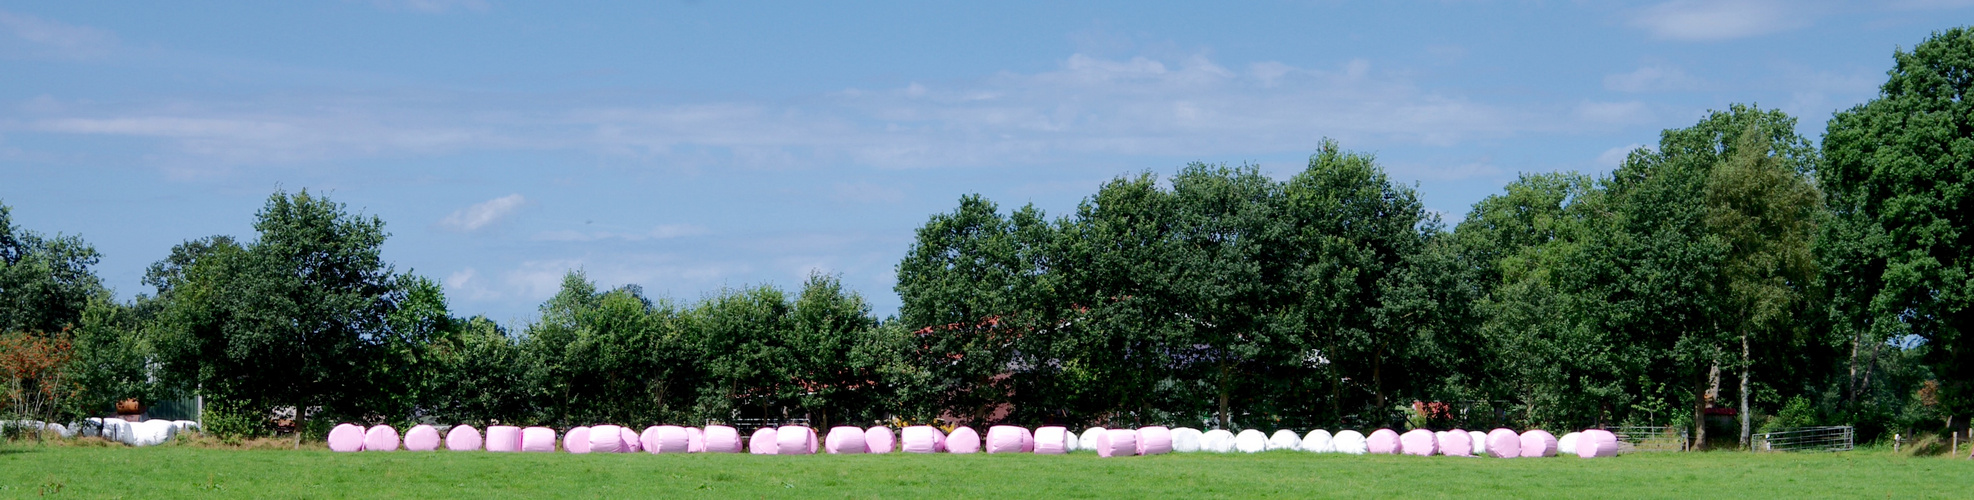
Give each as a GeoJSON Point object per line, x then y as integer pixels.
{"type": "Point", "coordinates": [1226, 389]}
{"type": "Point", "coordinates": [300, 411]}
{"type": "Point", "coordinates": [1378, 376]}
{"type": "Point", "coordinates": [1699, 414]}
{"type": "Point", "coordinates": [1745, 368]}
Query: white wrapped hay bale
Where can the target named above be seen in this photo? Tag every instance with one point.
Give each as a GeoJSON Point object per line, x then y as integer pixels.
{"type": "Point", "coordinates": [879, 439]}
{"type": "Point", "coordinates": [795, 440]}
{"type": "Point", "coordinates": [763, 441]}
{"type": "Point", "coordinates": [1566, 445]}
{"type": "Point", "coordinates": [1071, 441]}
{"type": "Point", "coordinates": [1186, 440]}
{"type": "Point", "coordinates": [88, 427]}
{"type": "Point", "coordinates": [463, 438]}
{"type": "Point", "coordinates": [1052, 440]}
{"type": "Point", "coordinates": [576, 440]}
{"type": "Point", "coordinates": [150, 433]}
{"type": "Point", "coordinates": [1003, 439]}
{"type": "Point", "coordinates": [1317, 441]}
{"type": "Point", "coordinates": [1284, 439]}
{"type": "Point", "coordinates": [1251, 441]}
{"type": "Point", "coordinates": [380, 438]}
{"type": "Point", "coordinates": [604, 438]}
{"type": "Point", "coordinates": [845, 439]}
{"type": "Point", "coordinates": [963, 440]}
{"type": "Point", "coordinates": [1596, 443]}
{"type": "Point", "coordinates": [1480, 442]}
{"type": "Point", "coordinates": [1456, 443]}
{"type": "Point", "coordinates": [538, 440]}
{"type": "Point", "coordinates": [1418, 442]}
{"type": "Point", "coordinates": [1382, 442]}
{"type": "Point", "coordinates": [1088, 440]}
{"type": "Point", "coordinates": [1154, 440]}
{"type": "Point", "coordinates": [721, 439]}
{"type": "Point", "coordinates": [1117, 443]}
{"type": "Point", "coordinates": [923, 439]}
{"type": "Point", "coordinates": [1217, 441]}
{"type": "Point", "coordinates": [695, 440]}
{"type": "Point", "coordinates": [669, 439]}
{"type": "Point", "coordinates": [1504, 443]}
{"type": "Point", "coordinates": [421, 438]}
{"type": "Point", "coordinates": [185, 426]}
{"type": "Point", "coordinates": [1537, 443]}
{"type": "Point", "coordinates": [115, 429]}
{"type": "Point", "coordinates": [61, 430]}
{"type": "Point", "coordinates": [1350, 443]}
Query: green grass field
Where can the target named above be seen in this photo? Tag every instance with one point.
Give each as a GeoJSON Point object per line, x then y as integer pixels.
{"type": "Point", "coordinates": [186, 471]}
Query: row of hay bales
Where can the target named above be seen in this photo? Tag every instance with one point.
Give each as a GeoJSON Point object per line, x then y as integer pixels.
{"type": "Point", "coordinates": [801, 440]}
{"type": "Point", "coordinates": [145, 433]}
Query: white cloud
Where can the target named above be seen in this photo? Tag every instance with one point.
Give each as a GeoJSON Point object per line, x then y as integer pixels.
{"type": "Point", "coordinates": [35, 37]}
{"type": "Point", "coordinates": [1610, 159]}
{"type": "Point", "coordinates": [1616, 113]}
{"type": "Point", "coordinates": [481, 214]}
{"type": "Point", "coordinates": [1652, 78]}
{"type": "Point", "coordinates": [1706, 20]}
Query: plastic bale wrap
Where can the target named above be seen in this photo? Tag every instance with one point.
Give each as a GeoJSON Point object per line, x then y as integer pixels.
{"type": "Point", "coordinates": [1088, 439]}
{"type": "Point", "coordinates": [503, 438]}
{"type": "Point", "coordinates": [183, 426]}
{"type": "Point", "coordinates": [1418, 442]}
{"type": "Point", "coordinates": [1071, 441]}
{"type": "Point", "coordinates": [1537, 443]}
{"type": "Point", "coordinates": [631, 445]}
{"type": "Point", "coordinates": [722, 439]}
{"type": "Point", "coordinates": [576, 440]}
{"type": "Point", "coordinates": [1480, 442]}
{"type": "Point", "coordinates": [65, 431]}
{"type": "Point", "coordinates": [463, 438]}
{"type": "Point", "coordinates": [1027, 440]}
{"type": "Point", "coordinates": [1349, 442]}
{"type": "Point", "coordinates": [345, 437]}
{"type": "Point", "coordinates": [1318, 441]}
{"type": "Point", "coordinates": [538, 440]}
{"type": "Point", "coordinates": [157, 432]}
{"type": "Point", "coordinates": [421, 438]}
{"type": "Point", "coordinates": [795, 440]}
{"type": "Point", "coordinates": [1596, 443]}
{"type": "Point", "coordinates": [1382, 442]}
{"type": "Point", "coordinates": [1566, 445]}
{"type": "Point", "coordinates": [1117, 443]}
{"type": "Point", "coordinates": [1284, 439]}
{"type": "Point", "coordinates": [1217, 441]}
{"type": "Point", "coordinates": [920, 439]}
{"type": "Point", "coordinates": [669, 439]}
{"type": "Point", "coordinates": [879, 439]}
{"type": "Point", "coordinates": [695, 440]}
{"type": "Point", "coordinates": [1003, 439]}
{"type": "Point", "coordinates": [1504, 443]}
{"type": "Point", "coordinates": [1250, 441]}
{"type": "Point", "coordinates": [1154, 440]}
{"type": "Point", "coordinates": [1186, 440]}
{"type": "Point", "coordinates": [763, 441]}
{"type": "Point", "coordinates": [1052, 440]}
{"type": "Point", "coordinates": [963, 440]}
{"type": "Point", "coordinates": [606, 439]}
{"type": "Point", "coordinates": [1456, 443]}
{"type": "Point", "coordinates": [380, 438]}
{"type": "Point", "coordinates": [845, 440]}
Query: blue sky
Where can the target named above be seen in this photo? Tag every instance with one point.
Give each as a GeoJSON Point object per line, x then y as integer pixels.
{"type": "Point", "coordinates": [689, 146]}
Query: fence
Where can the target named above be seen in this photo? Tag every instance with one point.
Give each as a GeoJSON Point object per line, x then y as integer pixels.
{"type": "Point", "coordinates": [1633, 439]}
{"type": "Point", "coordinates": [1833, 438]}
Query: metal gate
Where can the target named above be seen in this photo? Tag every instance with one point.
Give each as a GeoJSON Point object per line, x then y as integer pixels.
{"type": "Point", "coordinates": [1832, 438]}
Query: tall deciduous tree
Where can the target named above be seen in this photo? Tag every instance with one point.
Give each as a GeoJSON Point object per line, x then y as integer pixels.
{"type": "Point", "coordinates": [45, 282]}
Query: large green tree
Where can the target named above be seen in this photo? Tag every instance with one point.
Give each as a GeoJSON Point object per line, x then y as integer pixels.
{"type": "Point", "coordinates": [45, 282]}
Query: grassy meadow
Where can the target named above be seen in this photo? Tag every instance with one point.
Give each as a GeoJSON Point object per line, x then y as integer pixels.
{"type": "Point", "coordinates": [28, 470]}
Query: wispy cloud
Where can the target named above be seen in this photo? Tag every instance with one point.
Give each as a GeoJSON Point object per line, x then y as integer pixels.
{"type": "Point", "coordinates": [482, 214]}
{"type": "Point", "coordinates": [34, 37]}
{"type": "Point", "coordinates": [1708, 20]}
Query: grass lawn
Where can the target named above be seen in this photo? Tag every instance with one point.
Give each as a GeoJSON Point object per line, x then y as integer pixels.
{"type": "Point", "coordinates": [187, 471]}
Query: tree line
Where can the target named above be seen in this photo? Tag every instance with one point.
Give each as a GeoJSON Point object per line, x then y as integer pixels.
{"type": "Point", "coordinates": [1735, 267]}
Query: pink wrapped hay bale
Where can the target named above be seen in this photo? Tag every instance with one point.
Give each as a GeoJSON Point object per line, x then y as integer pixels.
{"type": "Point", "coordinates": [845, 439]}
{"type": "Point", "coordinates": [879, 440]}
{"type": "Point", "coordinates": [1456, 443]}
{"type": "Point", "coordinates": [1154, 440]}
{"type": "Point", "coordinates": [380, 438]}
{"type": "Point", "coordinates": [1538, 443]}
{"type": "Point", "coordinates": [1317, 441]}
{"type": "Point", "coordinates": [538, 439]}
{"type": "Point", "coordinates": [1596, 443]}
{"type": "Point", "coordinates": [606, 439]}
{"type": "Point", "coordinates": [576, 440]}
{"type": "Point", "coordinates": [1284, 439]}
{"type": "Point", "coordinates": [1217, 441]}
{"type": "Point", "coordinates": [721, 439]}
{"type": "Point", "coordinates": [963, 440]}
{"type": "Point", "coordinates": [1003, 439]}
{"type": "Point", "coordinates": [463, 438]}
{"type": "Point", "coordinates": [1418, 442]}
{"type": "Point", "coordinates": [1117, 443]}
{"type": "Point", "coordinates": [1186, 440]}
{"type": "Point", "coordinates": [1027, 440]}
{"type": "Point", "coordinates": [346, 437]}
{"type": "Point", "coordinates": [503, 438]}
{"type": "Point", "coordinates": [763, 441]}
{"type": "Point", "coordinates": [631, 445]}
{"type": "Point", "coordinates": [923, 439]}
{"type": "Point", "coordinates": [1504, 443]}
{"type": "Point", "coordinates": [1051, 440]}
{"type": "Point", "coordinates": [421, 438]}
{"type": "Point", "coordinates": [795, 440]}
{"type": "Point", "coordinates": [695, 440]}
{"type": "Point", "coordinates": [1480, 442]}
{"type": "Point", "coordinates": [669, 439]}
{"type": "Point", "coordinates": [1350, 443]}
{"type": "Point", "coordinates": [1382, 442]}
